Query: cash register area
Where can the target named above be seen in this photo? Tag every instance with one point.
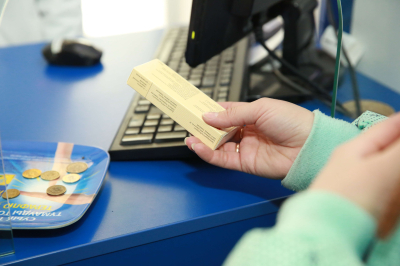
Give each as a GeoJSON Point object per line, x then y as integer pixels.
{"type": "Point", "coordinates": [159, 204]}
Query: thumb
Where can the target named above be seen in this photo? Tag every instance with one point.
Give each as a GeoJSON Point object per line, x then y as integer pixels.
{"type": "Point", "coordinates": [245, 114]}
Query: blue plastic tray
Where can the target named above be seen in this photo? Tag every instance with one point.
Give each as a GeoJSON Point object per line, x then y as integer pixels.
{"type": "Point", "coordinates": [33, 208]}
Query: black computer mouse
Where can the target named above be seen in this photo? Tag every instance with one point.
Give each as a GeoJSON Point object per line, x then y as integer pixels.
{"type": "Point", "coordinates": [71, 53]}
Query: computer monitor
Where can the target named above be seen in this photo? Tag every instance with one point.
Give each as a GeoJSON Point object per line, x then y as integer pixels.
{"type": "Point", "coordinates": [218, 24]}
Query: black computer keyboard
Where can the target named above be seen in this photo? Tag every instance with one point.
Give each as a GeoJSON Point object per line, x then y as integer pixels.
{"type": "Point", "coordinates": [146, 132]}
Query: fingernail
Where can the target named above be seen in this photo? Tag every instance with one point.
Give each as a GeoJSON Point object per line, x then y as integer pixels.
{"type": "Point", "coordinates": [210, 115]}
{"type": "Point", "coordinates": [193, 146]}
{"type": "Point", "coordinates": [185, 141]}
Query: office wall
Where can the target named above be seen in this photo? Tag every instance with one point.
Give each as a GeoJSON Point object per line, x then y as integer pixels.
{"type": "Point", "coordinates": [376, 25]}
{"type": "Point", "coordinates": [105, 18]}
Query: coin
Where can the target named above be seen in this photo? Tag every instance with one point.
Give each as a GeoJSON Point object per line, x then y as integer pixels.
{"type": "Point", "coordinates": [50, 175]}
{"type": "Point", "coordinates": [32, 173]}
{"type": "Point", "coordinates": [12, 193]}
{"type": "Point", "coordinates": [56, 190]}
{"type": "Point", "coordinates": [76, 168]}
{"type": "Point", "coordinates": [71, 178]}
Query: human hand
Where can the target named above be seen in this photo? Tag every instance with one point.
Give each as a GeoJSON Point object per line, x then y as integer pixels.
{"type": "Point", "coordinates": [274, 134]}
{"type": "Point", "coordinates": [366, 169]}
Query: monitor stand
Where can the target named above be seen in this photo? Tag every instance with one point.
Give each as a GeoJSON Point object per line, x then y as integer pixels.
{"type": "Point", "coordinates": [298, 49]}
{"type": "Point", "coordinates": [263, 82]}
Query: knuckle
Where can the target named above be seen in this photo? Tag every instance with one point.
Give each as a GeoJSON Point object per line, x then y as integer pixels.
{"type": "Point", "coordinates": [231, 113]}
{"type": "Point", "coordinates": [261, 101]}
{"type": "Point", "coordinates": [260, 108]}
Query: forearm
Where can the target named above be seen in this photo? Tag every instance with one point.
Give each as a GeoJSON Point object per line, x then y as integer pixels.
{"type": "Point", "coordinates": [313, 228]}
{"type": "Point", "coordinates": [327, 134]}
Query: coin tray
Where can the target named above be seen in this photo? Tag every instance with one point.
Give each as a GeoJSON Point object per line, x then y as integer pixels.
{"type": "Point", "coordinates": [34, 208]}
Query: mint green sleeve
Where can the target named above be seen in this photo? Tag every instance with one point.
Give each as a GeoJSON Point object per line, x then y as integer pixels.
{"type": "Point", "coordinates": [326, 134]}
{"type": "Point", "coordinates": [313, 228]}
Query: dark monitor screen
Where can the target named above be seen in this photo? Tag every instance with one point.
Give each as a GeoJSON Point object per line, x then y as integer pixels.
{"type": "Point", "coordinates": [217, 24]}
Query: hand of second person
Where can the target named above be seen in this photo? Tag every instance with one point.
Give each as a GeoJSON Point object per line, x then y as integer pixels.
{"type": "Point", "coordinates": [365, 170]}
{"type": "Point", "coordinates": [273, 134]}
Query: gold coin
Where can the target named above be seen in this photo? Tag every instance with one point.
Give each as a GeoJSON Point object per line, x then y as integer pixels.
{"type": "Point", "coordinates": [56, 190]}
{"type": "Point", "coordinates": [76, 168]}
{"type": "Point", "coordinates": [32, 173]}
{"type": "Point", "coordinates": [50, 175]}
{"type": "Point", "coordinates": [71, 178]}
{"type": "Point", "coordinates": [12, 193]}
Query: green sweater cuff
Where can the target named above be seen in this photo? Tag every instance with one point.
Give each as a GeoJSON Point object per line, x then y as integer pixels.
{"type": "Point", "coordinates": [327, 216]}
{"type": "Point", "coordinates": [326, 134]}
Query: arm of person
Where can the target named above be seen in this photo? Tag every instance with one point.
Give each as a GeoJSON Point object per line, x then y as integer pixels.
{"type": "Point", "coordinates": [326, 134]}
{"type": "Point", "coordinates": [334, 221]}
{"type": "Point", "coordinates": [313, 228]}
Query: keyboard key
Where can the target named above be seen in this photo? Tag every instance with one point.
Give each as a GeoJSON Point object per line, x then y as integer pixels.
{"type": "Point", "coordinates": [207, 90]}
{"type": "Point", "coordinates": [226, 76]}
{"type": "Point", "coordinates": [184, 67]}
{"type": "Point", "coordinates": [195, 76]}
{"type": "Point", "coordinates": [136, 121]}
{"type": "Point", "coordinates": [197, 71]}
{"type": "Point", "coordinates": [176, 55]}
{"type": "Point", "coordinates": [166, 122]}
{"type": "Point", "coordinates": [221, 100]}
{"type": "Point", "coordinates": [153, 116]}
{"type": "Point", "coordinates": [142, 109]}
{"type": "Point", "coordinates": [210, 72]}
{"type": "Point", "coordinates": [150, 123]}
{"type": "Point", "coordinates": [227, 72]}
{"type": "Point", "coordinates": [223, 89]}
{"type": "Point", "coordinates": [226, 67]}
{"type": "Point", "coordinates": [165, 116]}
{"type": "Point", "coordinates": [212, 68]}
{"type": "Point", "coordinates": [184, 75]}
{"type": "Point", "coordinates": [174, 65]}
{"type": "Point", "coordinates": [170, 136]}
{"type": "Point", "coordinates": [144, 102]}
{"type": "Point", "coordinates": [155, 110]}
{"type": "Point", "coordinates": [164, 128]}
{"type": "Point", "coordinates": [225, 82]}
{"type": "Point", "coordinates": [215, 58]}
{"type": "Point", "coordinates": [199, 67]}
{"type": "Point", "coordinates": [195, 82]}
{"type": "Point", "coordinates": [212, 64]}
{"type": "Point", "coordinates": [148, 129]}
{"type": "Point", "coordinates": [183, 71]}
{"type": "Point", "coordinates": [229, 56]}
{"type": "Point", "coordinates": [179, 128]}
{"type": "Point", "coordinates": [208, 81]}
{"type": "Point", "coordinates": [137, 139]}
{"type": "Point", "coordinates": [222, 95]}
{"type": "Point", "coordinates": [132, 131]}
